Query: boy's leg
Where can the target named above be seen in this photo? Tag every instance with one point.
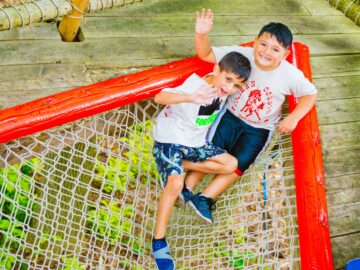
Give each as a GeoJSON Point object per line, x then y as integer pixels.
{"type": "Point", "coordinates": [161, 251]}
{"type": "Point", "coordinates": [168, 158]}
{"type": "Point", "coordinates": [166, 203]}
{"type": "Point", "coordinates": [207, 159]}
{"type": "Point", "coordinates": [193, 178]}
{"type": "Point", "coordinates": [219, 184]}
{"type": "Point", "coordinates": [242, 141]}
{"type": "Point", "coordinates": [220, 164]}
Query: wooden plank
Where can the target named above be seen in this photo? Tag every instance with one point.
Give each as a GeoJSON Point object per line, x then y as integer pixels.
{"type": "Point", "coordinates": [160, 25]}
{"type": "Point", "coordinates": [345, 248]}
{"type": "Point", "coordinates": [224, 25]}
{"type": "Point", "coordinates": [340, 136]}
{"type": "Point", "coordinates": [337, 183]}
{"type": "Point", "coordinates": [342, 190]}
{"type": "Point", "coordinates": [29, 77]}
{"type": "Point", "coordinates": [332, 66]}
{"type": "Point", "coordinates": [344, 218]}
{"type": "Point", "coordinates": [43, 31]}
{"type": "Point", "coordinates": [225, 7]}
{"type": "Point", "coordinates": [341, 162]}
{"type": "Point", "coordinates": [12, 98]}
{"type": "Point", "coordinates": [331, 44]}
{"type": "Point", "coordinates": [38, 52]}
{"type": "Point", "coordinates": [338, 87]}
{"type": "Point", "coordinates": [338, 111]}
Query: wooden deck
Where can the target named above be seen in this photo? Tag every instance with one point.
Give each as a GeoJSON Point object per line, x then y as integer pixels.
{"type": "Point", "coordinates": [35, 63]}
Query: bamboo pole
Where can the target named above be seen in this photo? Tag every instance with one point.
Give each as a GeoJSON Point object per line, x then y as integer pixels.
{"type": "Point", "coordinates": [32, 12]}
{"type": "Point", "coordinates": [70, 24]}
{"type": "Point", "coordinates": [43, 10]}
{"type": "Point", "coordinates": [350, 8]}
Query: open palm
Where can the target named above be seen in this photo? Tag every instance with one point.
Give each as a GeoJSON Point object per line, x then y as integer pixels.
{"type": "Point", "coordinates": [204, 21]}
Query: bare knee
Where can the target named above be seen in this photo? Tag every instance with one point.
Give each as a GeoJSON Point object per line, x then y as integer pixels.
{"type": "Point", "coordinates": [230, 164]}
{"type": "Point", "coordinates": [174, 185]}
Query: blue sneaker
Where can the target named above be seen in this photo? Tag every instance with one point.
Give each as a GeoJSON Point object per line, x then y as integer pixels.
{"type": "Point", "coordinates": [162, 256]}
{"type": "Point", "coordinates": [185, 194]}
{"type": "Point", "coordinates": [203, 207]}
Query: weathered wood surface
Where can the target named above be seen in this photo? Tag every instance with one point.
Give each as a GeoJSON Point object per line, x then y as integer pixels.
{"type": "Point", "coordinates": [34, 62]}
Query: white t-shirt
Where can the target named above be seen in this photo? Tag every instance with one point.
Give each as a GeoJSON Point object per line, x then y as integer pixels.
{"type": "Point", "coordinates": [187, 123]}
{"type": "Point", "coordinates": [260, 99]}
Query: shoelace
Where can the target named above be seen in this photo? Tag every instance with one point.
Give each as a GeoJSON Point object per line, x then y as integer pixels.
{"type": "Point", "coordinates": [211, 204]}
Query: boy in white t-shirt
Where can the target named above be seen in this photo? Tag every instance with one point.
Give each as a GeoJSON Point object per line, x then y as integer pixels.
{"type": "Point", "coordinates": [253, 113]}
{"type": "Point", "coordinates": [180, 138]}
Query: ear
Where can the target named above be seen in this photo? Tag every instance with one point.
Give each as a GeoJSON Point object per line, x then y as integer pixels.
{"type": "Point", "coordinates": [216, 69]}
{"type": "Point", "coordinates": [286, 54]}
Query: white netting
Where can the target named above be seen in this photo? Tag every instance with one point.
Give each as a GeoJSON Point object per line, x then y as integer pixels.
{"type": "Point", "coordinates": [84, 196]}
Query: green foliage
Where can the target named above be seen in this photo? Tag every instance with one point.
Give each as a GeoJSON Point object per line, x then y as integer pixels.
{"type": "Point", "coordinates": [136, 161]}
{"type": "Point", "coordinates": [72, 264]}
{"type": "Point", "coordinates": [113, 221]}
{"type": "Point", "coordinates": [16, 205]}
{"type": "Point", "coordinates": [140, 145]}
{"type": "Point", "coordinates": [239, 259]}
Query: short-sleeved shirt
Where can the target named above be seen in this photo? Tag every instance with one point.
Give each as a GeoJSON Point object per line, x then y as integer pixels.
{"type": "Point", "coordinates": [259, 101]}
{"type": "Point", "coordinates": [187, 123]}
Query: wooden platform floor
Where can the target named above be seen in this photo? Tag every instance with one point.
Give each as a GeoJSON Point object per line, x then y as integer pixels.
{"type": "Point", "coordinates": [35, 63]}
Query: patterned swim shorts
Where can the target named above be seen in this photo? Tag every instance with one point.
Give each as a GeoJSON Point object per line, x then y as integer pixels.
{"type": "Point", "coordinates": [168, 157]}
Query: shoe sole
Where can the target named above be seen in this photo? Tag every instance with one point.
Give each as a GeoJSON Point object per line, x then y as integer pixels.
{"type": "Point", "coordinates": [208, 221]}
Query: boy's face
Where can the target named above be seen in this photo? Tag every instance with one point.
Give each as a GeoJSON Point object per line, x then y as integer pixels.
{"type": "Point", "coordinates": [226, 83]}
{"type": "Point", "coordinates": [268, 52]}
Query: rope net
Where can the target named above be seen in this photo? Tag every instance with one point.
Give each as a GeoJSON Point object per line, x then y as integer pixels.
{"type": "Point", "coordinates": [84, 196]}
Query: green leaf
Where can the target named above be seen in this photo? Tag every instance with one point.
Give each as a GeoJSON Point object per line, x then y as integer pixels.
{"type": "Point", "coordinates": [4, 224]}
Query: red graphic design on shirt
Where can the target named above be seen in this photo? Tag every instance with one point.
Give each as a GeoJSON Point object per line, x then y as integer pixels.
{"type": "Point", "coordinates": [253, 104]}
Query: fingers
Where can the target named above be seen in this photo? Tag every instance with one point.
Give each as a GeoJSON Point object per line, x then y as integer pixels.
{"type": "Point", "coordinates": [208, 90]}
{"type": "Point", "coordinates": [204, 15]}
{"type": "Point", "coordinates": [284, 130]}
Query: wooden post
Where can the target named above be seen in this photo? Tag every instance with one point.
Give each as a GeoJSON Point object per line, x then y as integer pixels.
{"type": "Point", "coordinates": [70, 24]}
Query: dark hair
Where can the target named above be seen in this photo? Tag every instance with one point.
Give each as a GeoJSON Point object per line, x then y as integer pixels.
{"type": "Point", "coordinates": [236, 63]}
{"type": "Point", "coordinates": [281, 32]}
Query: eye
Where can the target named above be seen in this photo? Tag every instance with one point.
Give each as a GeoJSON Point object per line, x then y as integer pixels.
{"type": "Point", "coordinates": [276, 50]}
{"type": "Point", "coordinates": [228, 80]}
{"type": "Point", "coordinates": [262, 44]}
{"type": "Point", "coordinates": [237, 86]}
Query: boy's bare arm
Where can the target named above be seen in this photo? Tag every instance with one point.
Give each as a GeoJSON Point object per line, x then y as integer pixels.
{"type": "Point", "coordinates": [289, 123]}
{"type": "Point", "coordinates": [203, 25]}
{"type": "Point", "coordinates": [202, 95]}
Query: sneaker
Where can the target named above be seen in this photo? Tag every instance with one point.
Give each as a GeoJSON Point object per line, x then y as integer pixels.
{"type": "Point", "coordinates": [203, 207]}
{"type": "Point", "coordinates": [162, 256]}
{"type": "Point", "coordinates": [185, 194]}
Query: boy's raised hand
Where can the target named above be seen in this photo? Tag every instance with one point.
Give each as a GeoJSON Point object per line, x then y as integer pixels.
{"type": "Point", "coordinates": [203, 95]}
{"type": "Point", "coordinates": [204, 21]}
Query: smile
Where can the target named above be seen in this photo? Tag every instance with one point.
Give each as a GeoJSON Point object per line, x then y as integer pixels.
{"type": "Point", "coordinates": [265, 58]}
{"type": "Point", "coordinates": [222, 91]}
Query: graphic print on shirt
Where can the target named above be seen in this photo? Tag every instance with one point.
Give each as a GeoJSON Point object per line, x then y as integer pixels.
{"type": "Point", "coordinates": [254, 104]}
{"type": "Point", "coordinates": [208, 110]}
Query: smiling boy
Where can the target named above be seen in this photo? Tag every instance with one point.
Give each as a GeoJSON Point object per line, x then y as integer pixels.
{"type": "Point", "coordinates": [180, 137]}
{"type": "Point", "coordinates": [254, 112]}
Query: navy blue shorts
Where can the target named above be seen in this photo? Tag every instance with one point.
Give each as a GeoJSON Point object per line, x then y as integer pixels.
{"type": "Point", "coordinates": [168, 157]}
{"type": "Point", "coordinates": [240, 140]}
